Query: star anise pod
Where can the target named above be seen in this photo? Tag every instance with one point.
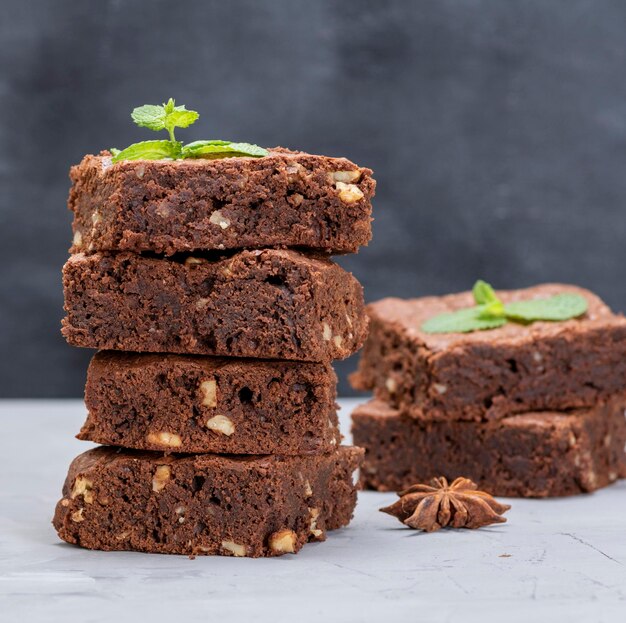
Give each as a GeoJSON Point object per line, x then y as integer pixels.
{"type": "Point", "coordinates": [459, 505]}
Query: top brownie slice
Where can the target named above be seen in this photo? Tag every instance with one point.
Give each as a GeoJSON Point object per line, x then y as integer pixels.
{"type": "Point", "coordinates": [495, 373]}
{"type": "Point", "coordinates": [285, 199]}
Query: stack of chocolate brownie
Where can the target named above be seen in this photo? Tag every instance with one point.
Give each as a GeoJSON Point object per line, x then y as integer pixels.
{"type": "Point", "coordinates": [530, 410]}
{"type": "Point", "coordinates": [207, 289]}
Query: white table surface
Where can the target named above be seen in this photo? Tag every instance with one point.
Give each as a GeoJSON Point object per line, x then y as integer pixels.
{"type": "Point", "coordinates": [555, 560]}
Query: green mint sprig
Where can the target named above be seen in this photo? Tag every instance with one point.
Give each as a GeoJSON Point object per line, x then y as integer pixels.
{"type": "Point", "coordinates": [168, 117]}
{"type": "Point", "coordinates": [490, 312]}
{"type": "Point", "coordinates": [165, 117]}
{"type": "Point", "coordinates": [149, 150]}
{"type": "Point", "coordinates": [221, 149]}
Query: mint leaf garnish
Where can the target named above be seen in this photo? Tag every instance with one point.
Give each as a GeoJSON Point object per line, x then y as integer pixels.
{"type": "Point", "coordinates": [168, 117]}
{"type": "Point", "coordinates": [221, 149]}
{"type": "Point", "coordinates": [165, 117]}
{"type": "Point", "coordinates": [558, 307]}
{"type": "Point", "coordinates": [198, 144]}
{"type": "Point", "coordinates": [462, 321]}
{"type": "Point", "coordinates": [484, 293]}
{"type": "Point", "coordinates": [149, 116]}
{"type": "Point", "coordinates": [149, 150]}
{"type": "Point", "coordinates": [493, 309]}
{"type": "Point", "coordinates": [490, 312]}
{"type": "Point", "coordinates": [485, 296]}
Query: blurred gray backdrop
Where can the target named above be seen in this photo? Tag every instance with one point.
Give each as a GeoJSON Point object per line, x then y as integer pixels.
{"type": "Point", "coordinates": [496, 130]}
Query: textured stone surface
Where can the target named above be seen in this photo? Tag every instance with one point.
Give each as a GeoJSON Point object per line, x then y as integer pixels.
{"type": "Point", "coordinates": [564, 557]}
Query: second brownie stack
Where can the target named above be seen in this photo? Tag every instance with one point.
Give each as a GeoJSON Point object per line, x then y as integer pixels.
{"type": "Point", "coordinates": [207, 289]}
{"type": "Point", "coordinates": [529, 410]}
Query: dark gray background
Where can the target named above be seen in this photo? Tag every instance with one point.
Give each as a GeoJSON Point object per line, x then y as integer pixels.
{"type": "Point", "coordinates": [497, 132]}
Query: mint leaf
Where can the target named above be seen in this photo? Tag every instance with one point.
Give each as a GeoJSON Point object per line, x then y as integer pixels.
{"type": "Point", "coordinates": [490, 312]}
{"type": "Point", "coordinates": [247, 149]}
{"type": "Point", "coordinates": [558, 307]}
{"type": "Point", "coordinates": [149, 116]}
{"type": "Point", "coordinates": [493, 309]}
{"type": "Point", "coordinates": [149, 150]}
{"type": "Point", "coordinates": [165, 117]}
{"type": "Point", "coordinates": [484, 293]}
{"type": "Point", "coordinates": [463, 321]}
{"type": "Point", "coordinates": [222, 149]}
{"type": "Point", "coordinates": [198, 144]}
{"type": "Point", "coordinates": [180, 118]}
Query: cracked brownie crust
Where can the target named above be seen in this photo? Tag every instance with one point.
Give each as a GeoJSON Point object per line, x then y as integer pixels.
{"type": "Point", "coordinates": [286, 199]}
{"type": "Point", "coordinates": [117, 499]}
{"type": "Point", "coordinates": [491, 374]}
{"type": "Point", "coordinates": [272, 304]}
{"type": "Point", "coordinates": [528, 455]}
{"type": "Point", "coordinates": [184, 403]}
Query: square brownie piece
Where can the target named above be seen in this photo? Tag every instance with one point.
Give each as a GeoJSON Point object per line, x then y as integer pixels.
{"type": "Point", "coordinates": [230, 505]}
{"type": "Point", "coordinates": [491, 374]}
{"type": "Point", "coordinates": [265, 304]}
{"type": "Point", "coordinates": [285, 199]}
{"type": "Point", "coordinates": [186, 403]}
{"type": "Point", "coordinates": [526, 455]}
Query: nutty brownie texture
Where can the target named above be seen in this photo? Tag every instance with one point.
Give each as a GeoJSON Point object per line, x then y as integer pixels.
{"type": "Point", "coordinates": [491, 374]}
{"type": "Point", "coordinates": [273, 304]}
{"type": "Point", "coordinates": [527, 455]}
{"type": "Point", "coordinates": [117, 499]}
{"type": "Point", "coordinates": [286, 199]}
{"type": "Point", "coordinates": [185, 403]}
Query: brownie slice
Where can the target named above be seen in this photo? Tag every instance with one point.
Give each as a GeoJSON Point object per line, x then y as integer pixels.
{"type": "Point", "coordinates": [287, 199]}
{"type": "Point", "coordinates": [186, 403]}
{"type": "Point", "coordinates": [491, 374]}
{"type": "Point", "coordinates": [254, 506]}
{"type": "Point", "coordinates": [528, 455]}
{"type": "Point", "coordinates": [271, 304]}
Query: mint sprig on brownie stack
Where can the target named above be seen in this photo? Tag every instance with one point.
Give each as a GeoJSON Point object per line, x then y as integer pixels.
{"type": "Point", "coordinates": [521, 391]}
{"type": "Point", "coordinates": [200, 272]}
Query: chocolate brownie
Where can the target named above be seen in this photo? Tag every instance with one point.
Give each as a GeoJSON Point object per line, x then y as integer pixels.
{"type": "Point", "coordinates": [273, 304]}
{"type": "Point", "coordinates": [254, 506]}
{"type": "Point", "coordinates": [186, 403]}
{"type": "Point", "coordinates": [286, 199]}
{"type": "Point", "coordinates": [527, 455]}
{"type": "Point", "coordinates": [491, 374]}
